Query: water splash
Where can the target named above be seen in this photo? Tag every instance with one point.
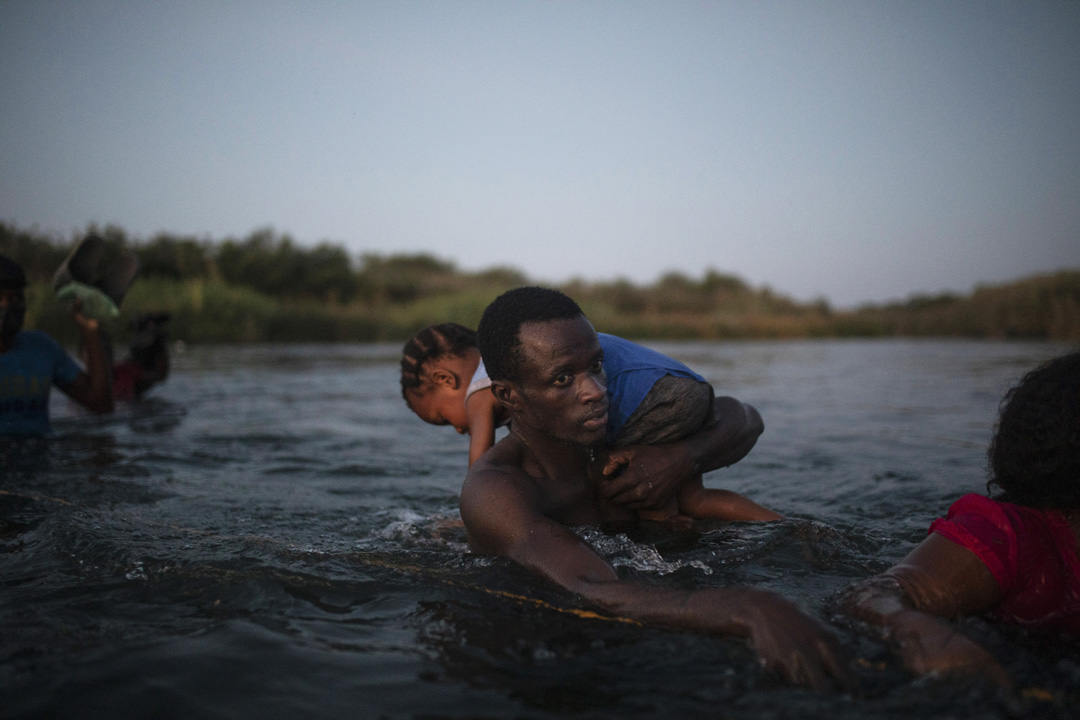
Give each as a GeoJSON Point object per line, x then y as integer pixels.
{"type": "Point", "coordinates": [412, 530]}
{"type": "Point", "coordinates": [621, 551]}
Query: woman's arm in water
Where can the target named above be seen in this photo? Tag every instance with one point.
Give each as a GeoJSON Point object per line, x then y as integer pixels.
{"type": "Point", "coordinates": [913, 600]}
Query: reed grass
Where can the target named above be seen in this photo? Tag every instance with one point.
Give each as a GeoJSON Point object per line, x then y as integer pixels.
{"type": "Point", "coordinates": [267, 288]}
{"type": "Point", "coordinates": [211, 311]}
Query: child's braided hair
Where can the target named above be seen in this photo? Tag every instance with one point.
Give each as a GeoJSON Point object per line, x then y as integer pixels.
{"type": "Point", "coordinates": [432, 343]}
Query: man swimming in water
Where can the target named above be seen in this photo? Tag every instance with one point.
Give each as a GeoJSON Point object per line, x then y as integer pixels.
{"type": "Point", "coordinates": [520, 499]}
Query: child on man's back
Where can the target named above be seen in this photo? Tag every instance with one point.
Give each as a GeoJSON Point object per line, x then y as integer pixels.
{"type": "Point", "coordinates": [444, 382]}
{"type": "Point", "coordinates": [441, 376]}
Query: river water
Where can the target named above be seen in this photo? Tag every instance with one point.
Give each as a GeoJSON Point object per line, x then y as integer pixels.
{"type": "Point", "coordinates": [271, 533]}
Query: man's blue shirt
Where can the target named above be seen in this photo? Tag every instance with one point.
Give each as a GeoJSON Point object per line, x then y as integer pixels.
{"type": "Point", "coordinates": [632, 370]}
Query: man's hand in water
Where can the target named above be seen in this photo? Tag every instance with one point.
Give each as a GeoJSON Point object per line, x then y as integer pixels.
{"type": "Point", "coordinates": [791, 643]}
{"type": "Point", "coordinates": [787, 641]}
{"type": "Point", "coordinates": [644, 476]}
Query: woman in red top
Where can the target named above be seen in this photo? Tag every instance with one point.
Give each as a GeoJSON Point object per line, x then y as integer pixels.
{"type": "Point", "coordinates": [1015, 556]}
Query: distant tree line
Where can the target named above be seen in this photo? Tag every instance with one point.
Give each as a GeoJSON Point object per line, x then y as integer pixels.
{"type": "Point", "coordinates": [264, 261]}
{"type": "Point", "coordinates": [1042, 306]}
{"type": "Point", "coordinates": [267, 287]}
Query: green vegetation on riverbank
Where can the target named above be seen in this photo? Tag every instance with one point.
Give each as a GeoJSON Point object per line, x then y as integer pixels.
{"type": "Point", "coordinates": [265, 288]}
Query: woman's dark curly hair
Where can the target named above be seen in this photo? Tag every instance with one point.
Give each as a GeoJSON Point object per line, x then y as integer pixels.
{"type": "Point", "coordinates": [432, 343]}
{"type": "Point", "coordinates": [1035, 453]}
{"type": "Point", "coordinates": [500, 345]}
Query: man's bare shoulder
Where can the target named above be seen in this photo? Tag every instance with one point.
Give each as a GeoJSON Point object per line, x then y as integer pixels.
{"type": "Point", "coordinates": [499, 467]}
{"type": "Point", "coordinates": [498, 500]}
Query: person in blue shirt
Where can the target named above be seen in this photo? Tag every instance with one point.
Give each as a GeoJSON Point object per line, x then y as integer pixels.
{"type": "Point", "coordinates": [31, 362]}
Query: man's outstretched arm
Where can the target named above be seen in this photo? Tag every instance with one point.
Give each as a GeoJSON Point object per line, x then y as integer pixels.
{"type": "Point", "coordinates": [500, 519]}
{"type": "Point", "coordinates": [644, 476]}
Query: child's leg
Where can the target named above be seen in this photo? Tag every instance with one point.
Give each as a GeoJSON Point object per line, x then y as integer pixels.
{"type": "Point", "coordinates": [668, 514]}
{"type": "Point", "coordinates": [703, 503]}
{"type": "Point", "coordinates": [675, 408]}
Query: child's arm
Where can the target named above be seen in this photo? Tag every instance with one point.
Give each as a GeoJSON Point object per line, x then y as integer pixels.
{"type": "Point", "coordinates": [701, 503]}
{"type": "Point", "coordinates": [481, 410]}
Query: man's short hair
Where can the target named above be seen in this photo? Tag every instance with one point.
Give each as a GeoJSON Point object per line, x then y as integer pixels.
{"type": "Point", "coordinates": [11, 274]}
{"type": "Point", "coordinates": [500, 344]}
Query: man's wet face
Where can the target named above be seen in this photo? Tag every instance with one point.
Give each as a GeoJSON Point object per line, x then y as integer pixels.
{"type": "Point", "coordinates": [563, 384]}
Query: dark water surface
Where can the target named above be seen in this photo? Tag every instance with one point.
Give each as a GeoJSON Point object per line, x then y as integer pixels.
{"type": "Point", "coordinates": [271, 534]}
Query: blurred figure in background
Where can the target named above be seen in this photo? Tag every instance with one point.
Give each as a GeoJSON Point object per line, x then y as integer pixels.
{"type": "Point", "coordinates": [31, 362]}
{"type": "Point", "coordinates": [147, 362]}
{"type": "Point", "coordinates": [99, 275]}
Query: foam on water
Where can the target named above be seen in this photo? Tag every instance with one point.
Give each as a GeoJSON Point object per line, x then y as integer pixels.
{"type": "Point", "coordinates": [621, 551]}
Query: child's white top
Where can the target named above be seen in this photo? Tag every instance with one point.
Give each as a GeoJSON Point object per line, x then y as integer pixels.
{"type": "Point", "coordinates": [480, 381]}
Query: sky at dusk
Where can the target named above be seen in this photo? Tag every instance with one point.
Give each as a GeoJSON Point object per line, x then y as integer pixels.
{"type": "Point", "coordinates": [856, 151]}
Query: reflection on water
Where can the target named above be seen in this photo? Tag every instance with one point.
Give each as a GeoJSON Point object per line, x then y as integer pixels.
{"type": "Point", "coordinates": [272, 533]}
